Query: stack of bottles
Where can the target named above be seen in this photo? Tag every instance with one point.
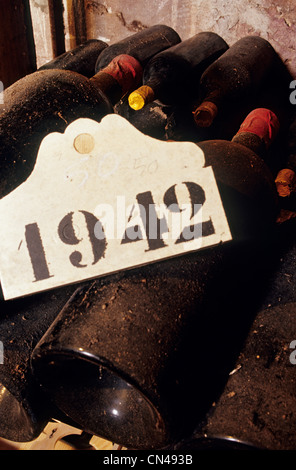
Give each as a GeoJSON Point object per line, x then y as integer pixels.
{"type": "Point", "coordinates": [142, 376]}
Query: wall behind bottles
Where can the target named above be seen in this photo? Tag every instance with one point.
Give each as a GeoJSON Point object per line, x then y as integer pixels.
{"type": "Point", "coordinates": [275, 21]}
{"type": "Point", "coordinates": [112, 20]}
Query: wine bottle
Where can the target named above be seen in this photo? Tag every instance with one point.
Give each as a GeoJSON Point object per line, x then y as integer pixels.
{"type": "Point", "coordinates": [262, 366]}
{"type": "Point", "coordinates": [82, 59]}
{"type": "Point", "coordinates": [261, 408]}
{"type": "Point", "coordinates": [171, 75]}
{"type": "Point", "coordinates": [128, 356]}
{"type": "Point", "coordinates": [235, 77]}
{"type": "Point", "coordinates": [142, 45]}
{"type": "Point", "coordinates": [163, 122]}
{"type": "Point", "coordinates": [36, 105]}
{"type": "Point", "coordinates": [24, 410]}
{"type": "Point", "coordinates": [151, 120]}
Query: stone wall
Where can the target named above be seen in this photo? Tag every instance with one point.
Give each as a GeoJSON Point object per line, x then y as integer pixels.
{"type": "Point", "coordinates": [112, 20]}
{"type": "Point", "coordinates": [232, 19]}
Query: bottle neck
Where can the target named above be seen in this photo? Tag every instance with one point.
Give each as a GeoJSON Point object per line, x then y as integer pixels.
{"type": "Point", "coordinates": [258, 131]}
{"type": "Point", "coordinates": [123, 74]}
{"type": "Point", "coordinates": [252, 141]}
{"type": "Point", "coordinates": [108, 85]}
{"type": "Point", "coordinates": [207, 111]}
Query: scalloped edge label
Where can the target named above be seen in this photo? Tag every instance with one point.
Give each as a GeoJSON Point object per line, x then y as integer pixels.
{"type": "Point", "coordinates": [103, 197]}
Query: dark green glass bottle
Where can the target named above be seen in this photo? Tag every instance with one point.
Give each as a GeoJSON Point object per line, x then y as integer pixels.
{"type": "Point", "coordinates": [235, 77]}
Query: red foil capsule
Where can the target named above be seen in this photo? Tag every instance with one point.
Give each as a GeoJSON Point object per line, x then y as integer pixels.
{"type": "Point", "coordinates": [126, 70]}
{"type": "Point", "coordinates": [262, 122]}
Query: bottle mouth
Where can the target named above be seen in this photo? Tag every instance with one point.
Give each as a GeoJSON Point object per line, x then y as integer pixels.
{"type": "Point", "coordinates": [99, 400]}
{"type": "Point", "coordinates": [17, 423]}
{"type": "Point", "coordinates": [285, 182]}
{"type": "Point", "coordinates": [140, 97]}
{"type": "Point", "coordinates": [205, 114]}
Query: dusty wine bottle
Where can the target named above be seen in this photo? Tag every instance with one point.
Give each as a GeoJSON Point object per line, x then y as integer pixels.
{"type": "Point", "coordinates": [36, 105]}
{"type": "Point", "coordinates": [24, 410]}
{"type": "Point", "coordinates": [260, 386]}
{"type": "Point", "coordinates": [272, 94]}
{"type": "Point", "coordinates": [236, 75]}
{"type": "Point", "coordinates": [171, 75]}
{"type": "Point", "coordinates": [266, 374]}
{"type": "Point", "coordinates": [82, 59]}
{"type": "Point", "coordinates": [128, 356]}
{"type": "Point", "coordinates": [141, 46]}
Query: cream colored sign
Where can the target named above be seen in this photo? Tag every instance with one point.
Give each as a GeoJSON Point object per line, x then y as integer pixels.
{"type": "Point", "coordinates": [104, 197]}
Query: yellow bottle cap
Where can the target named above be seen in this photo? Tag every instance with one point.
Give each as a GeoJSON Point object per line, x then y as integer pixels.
{"type": "Point", "coordinates": [140, 97]}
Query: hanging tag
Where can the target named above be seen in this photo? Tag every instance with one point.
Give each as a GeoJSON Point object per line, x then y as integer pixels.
{"type": "Point", "coordinates": [104, 197]}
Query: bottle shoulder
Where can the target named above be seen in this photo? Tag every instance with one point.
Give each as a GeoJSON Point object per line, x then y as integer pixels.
{"type": "Point", "coordinates": [233, 161]}
{"type": "Point", "coordinates": [245, 183]}
{"type": "Point", "coordinates": [142, 45]}
{"type": "Point", "coordinates": [246, 62]}
{"type": "Point", "coordinates": [82, 59]}
{"type": "Point", "coordinates": [227, 74]}
{"type": "Point", "coordinates": [166, 64]}
{"type": "Point", "coordinates": [51, 86]}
